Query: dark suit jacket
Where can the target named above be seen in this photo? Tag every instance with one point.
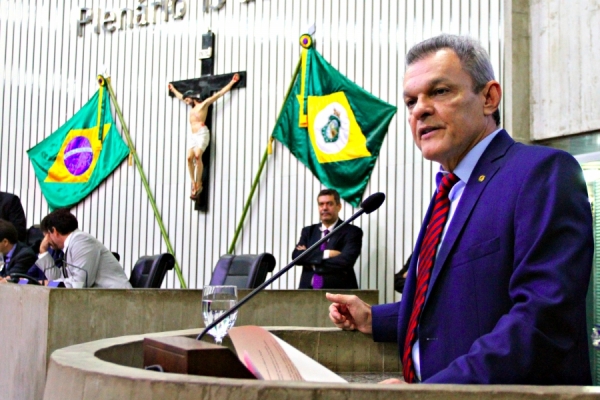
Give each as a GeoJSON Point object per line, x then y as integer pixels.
{"type": "Point", "coordinates": [22, 259]}
{"type": "Point", "coordinates": [12, 211]}
{"type": "Point", "coordinates": [506, 300]}
{"type": "Point", "coordinates": [337, 272]}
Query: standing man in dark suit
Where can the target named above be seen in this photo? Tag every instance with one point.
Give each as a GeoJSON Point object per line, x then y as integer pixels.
{"type": "Point", "coordinates": [17, 256]}
{"type": "Point", "coordinates": [332, 265]}
{"type": "Point", "coordinates": [495, 293]}
{"type": "Point", "coordinates": [11, 210]}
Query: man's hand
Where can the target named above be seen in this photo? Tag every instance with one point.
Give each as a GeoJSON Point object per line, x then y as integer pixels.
{"type": "Point", "coordinates": [44, 244]}
{"type": "Point", "coordinates": [300, 247]}
{"type": "Point", "coordinates": [393, 381]}
{"type": "Point", "coordinates": [236, 78]}
{"type": "Point", "coordinates": [334, 253]}
{"type": "Point", "coordinates": [170, 87]}
{"type": "Point", "coordinates": [350, 313]}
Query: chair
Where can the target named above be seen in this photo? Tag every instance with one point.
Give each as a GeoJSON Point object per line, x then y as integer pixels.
{"type": "Point", "coordinates": [246, 271]}
{"type": "Point", "coordinates": [34, 238]}
{"type": "Point", "coordinates": [150, 271]}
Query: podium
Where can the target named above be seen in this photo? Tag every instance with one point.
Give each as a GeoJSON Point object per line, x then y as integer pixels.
{"type": "Point", "coordinates": [43, 320]}
{"type": "Point", "coordinates": [113, 369]}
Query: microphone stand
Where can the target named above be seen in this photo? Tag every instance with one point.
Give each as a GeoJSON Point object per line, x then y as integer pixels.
{"type": "Point", "coordinates": [76, 267]}
{"type": "Point", "coordinates": [277, 275]}
{"type": "Point", "coordinates": [63, 268]}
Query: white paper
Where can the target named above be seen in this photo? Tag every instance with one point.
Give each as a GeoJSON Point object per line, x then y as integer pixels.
{"type": "Point", "coordinates": [310, 370]}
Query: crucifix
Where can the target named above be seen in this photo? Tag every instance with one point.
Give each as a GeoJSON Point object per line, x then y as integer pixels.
{"type": "Point", "coordinates": [200, 93]}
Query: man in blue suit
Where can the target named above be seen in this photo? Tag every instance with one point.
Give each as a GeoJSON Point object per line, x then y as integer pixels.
{"type": "Point", "coordinates": [17, 256]}
{"type": "Point", "coordinates": [504, 302]}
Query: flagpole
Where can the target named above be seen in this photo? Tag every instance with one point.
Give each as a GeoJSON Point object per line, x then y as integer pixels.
{"type": "Point", "coordinates": [138, 164]}
{"type": "Point", "coordinates": [240, 226]}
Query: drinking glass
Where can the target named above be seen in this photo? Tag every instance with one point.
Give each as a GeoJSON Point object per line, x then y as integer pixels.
{"type": "Point", "coordinates": [215, 301]}
{"type": "Point", "coordinates": [596, 337]}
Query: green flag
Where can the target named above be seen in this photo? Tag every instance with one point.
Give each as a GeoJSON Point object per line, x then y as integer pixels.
{"type": "Point", "coordinates": [74, 160]}
{"type": "Point", "coordinates": [332, 125]}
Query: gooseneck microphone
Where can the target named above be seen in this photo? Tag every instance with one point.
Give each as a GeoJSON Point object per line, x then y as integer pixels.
{"type": "Point", "coordinates": [370, 204]}
{"type": "Point", "coordinates": [64, 270]}
{"type": "Point", "coordinates": [76, 267]}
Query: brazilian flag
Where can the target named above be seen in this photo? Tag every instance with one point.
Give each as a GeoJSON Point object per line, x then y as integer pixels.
{"type": "Point", "coordinates": [332, 125]}
{"type": "Point", "coordinates": [74, 160]}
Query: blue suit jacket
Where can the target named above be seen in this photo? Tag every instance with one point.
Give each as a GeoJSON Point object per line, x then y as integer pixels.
{"type": "Point", "coordinates": [506, 300]}
{"type": "Point", "coordinates": [22, 259]}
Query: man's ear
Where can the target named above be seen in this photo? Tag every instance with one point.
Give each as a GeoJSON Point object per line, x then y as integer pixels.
{"type": "Point", "coordinates": [492, 93]}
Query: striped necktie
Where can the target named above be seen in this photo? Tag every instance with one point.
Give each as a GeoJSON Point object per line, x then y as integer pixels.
{"type": "Point", "coordinates": [433, 236]}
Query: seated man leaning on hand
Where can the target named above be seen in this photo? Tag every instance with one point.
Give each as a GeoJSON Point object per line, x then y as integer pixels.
{"type": "Point", "coordinates": [332, 265]}
{"type": "Point", "coordinates": [17, 256]}
{"type": "Point", "coordinates": [85, 258]}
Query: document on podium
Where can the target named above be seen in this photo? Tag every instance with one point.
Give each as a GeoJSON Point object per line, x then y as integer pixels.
{"type": "Point", "coordinates": [270, 358]}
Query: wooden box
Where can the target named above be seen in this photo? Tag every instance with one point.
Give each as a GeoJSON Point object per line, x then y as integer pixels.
{"type": "Point", "coordinates": [184, 355]}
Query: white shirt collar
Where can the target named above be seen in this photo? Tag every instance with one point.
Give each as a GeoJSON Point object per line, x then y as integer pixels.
{"type": "Point", "coordinates": [68, 239]}
{"type": "Point", "coordinates": [330, 227]}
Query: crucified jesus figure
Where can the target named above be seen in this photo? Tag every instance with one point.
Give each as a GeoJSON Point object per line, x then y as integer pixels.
{"type": "Point", "coordinates": [199, 136]}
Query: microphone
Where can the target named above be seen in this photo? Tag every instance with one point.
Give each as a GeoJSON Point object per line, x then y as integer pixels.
{"type": "Point", "coordinates": [373, 202]}
{"type": "Point", "coordinates": [63, 268]}
{"type": "Point", "coordinates": [370, 204]}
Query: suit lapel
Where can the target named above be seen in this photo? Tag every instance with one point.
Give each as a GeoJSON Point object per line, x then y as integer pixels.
{"type": "Point", "coordinates": [315, 235]}
{"type": "Point", "coordinates": [335, 237]}
{"type": "Point", "coordinates": [12, 259]}
{"type": "Point", "coordinates": [487, 166]}
{"type": "Point", "coordinates": [8, 266]}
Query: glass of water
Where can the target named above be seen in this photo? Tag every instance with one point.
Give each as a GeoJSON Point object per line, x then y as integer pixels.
{"type": "Point", "coordinates": [215, 301]}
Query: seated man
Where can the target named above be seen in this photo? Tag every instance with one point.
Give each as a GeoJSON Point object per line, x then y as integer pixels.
{"type": "Point", "coordinates": [85, 258]}
{"type": "Point", "coordinates": [12, 211]}
{"type": "Point", "coordinates": [332, 265]}
{"type": "Point", "coordinates": [17, 256]}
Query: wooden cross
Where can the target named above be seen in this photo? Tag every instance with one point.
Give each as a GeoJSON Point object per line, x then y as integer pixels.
{"type": "Point", "coordinates": [206, 85]}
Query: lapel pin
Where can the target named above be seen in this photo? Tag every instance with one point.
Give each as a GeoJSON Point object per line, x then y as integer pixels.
{"type": "Point", "coordinates": [481, 178]}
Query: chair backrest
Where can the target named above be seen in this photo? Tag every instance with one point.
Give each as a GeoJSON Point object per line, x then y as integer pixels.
{"type": "Point", "coordinates": [246, 271]}
{"type": "Point", "coordinates": [34, 238]}
{"type": "Point", "coordinates": [150, 271]}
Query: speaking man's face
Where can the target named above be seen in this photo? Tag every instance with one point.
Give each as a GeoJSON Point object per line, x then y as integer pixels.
{"type": "Point", "coordinates": [447, 118]}
{"type": "Point", "coordinates": [328, 209]}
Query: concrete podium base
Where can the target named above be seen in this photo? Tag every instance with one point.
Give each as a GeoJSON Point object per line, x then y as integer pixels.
{"type": "Point", "coordinates": [38, 320]}
{"type": "Point", "coordinates": [111, 369]}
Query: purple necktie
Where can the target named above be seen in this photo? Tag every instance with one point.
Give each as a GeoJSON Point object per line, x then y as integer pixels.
{"type": "Point", "coordinates": [318, 279]}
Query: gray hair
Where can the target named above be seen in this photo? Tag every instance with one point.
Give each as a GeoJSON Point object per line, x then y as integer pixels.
{"type": "Point", "coordinates": [473, 58]}
{"type": "Point", "coordinates": [330, 192]}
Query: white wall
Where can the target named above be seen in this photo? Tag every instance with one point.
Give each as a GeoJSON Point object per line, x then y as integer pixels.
{"type": "Point", "coordinates": [564, 69]}
{"type": "Point", "coordinates": [48, 72]}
